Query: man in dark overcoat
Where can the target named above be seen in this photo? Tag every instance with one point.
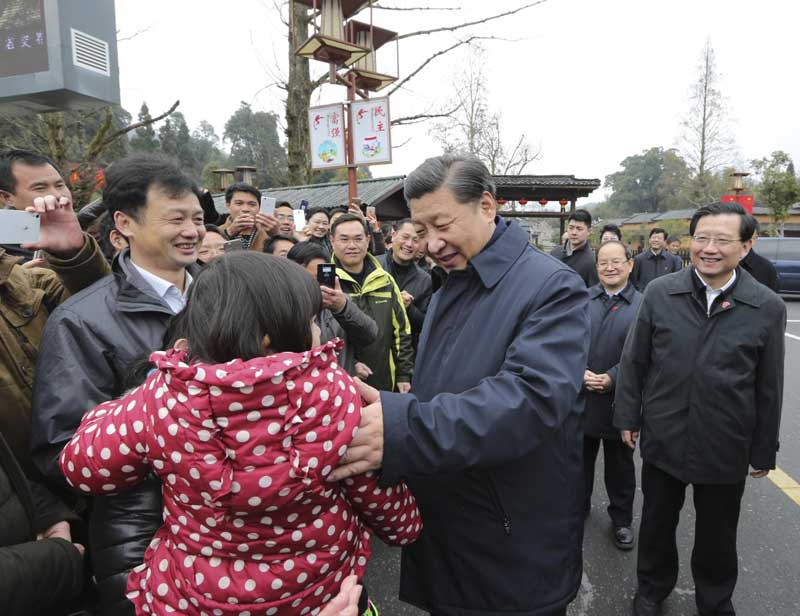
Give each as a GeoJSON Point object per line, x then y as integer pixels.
{"type": "Point", "coordinates": [701, 379]}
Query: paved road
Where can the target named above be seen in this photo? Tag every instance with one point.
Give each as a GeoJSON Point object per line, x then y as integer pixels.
{"type": "Point", "coordinates": [769, 538]}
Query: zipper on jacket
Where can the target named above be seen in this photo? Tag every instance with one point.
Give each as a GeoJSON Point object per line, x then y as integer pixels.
{"type": "Point", "coordinates": [499, 504]}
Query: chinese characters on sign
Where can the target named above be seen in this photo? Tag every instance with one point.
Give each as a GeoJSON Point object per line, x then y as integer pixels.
{"type": "Point", "coordinates": [372, 143]}
{"type": "Point", "coordinates": [326, 127]}
{"type": "Point", "coordinates": [23, 44]}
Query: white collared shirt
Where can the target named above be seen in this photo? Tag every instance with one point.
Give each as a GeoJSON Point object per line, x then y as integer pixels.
{"type": "Point", "coordinates": [712, 294]}
{"type": "Point", "coordinates": [167, 291]}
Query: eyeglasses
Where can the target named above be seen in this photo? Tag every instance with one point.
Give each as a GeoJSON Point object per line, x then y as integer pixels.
{"type": "Point", "coordinates": [613, 262]}
{"type": "Point", "coordinates": [721, 242]}
{"type": "Point", "coordinates": [284, 217]}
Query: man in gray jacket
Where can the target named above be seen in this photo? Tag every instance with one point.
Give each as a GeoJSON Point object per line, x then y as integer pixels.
{"type": "Point", "coordinates": [701, 378]}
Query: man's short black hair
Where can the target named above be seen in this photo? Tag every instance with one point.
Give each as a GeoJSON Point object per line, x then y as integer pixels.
{"type": "Point", "coordinates": [242, 187]}
{"type": "Point", "coordinates": [625, 247]}
{"type": "Point", "coordinates": [339, 208]}
{"type": "Point", "coordinates": [655, 230]}
{"type": "Point", "coordinates": [215, 229]}
{"type": "Point", "coordinates": [284, 204]}
{"type": "Point", "coordinates": [270, 245]}
{"type": "Point", "coordinates": [611, 228]}
{"type": "Point", "coordinates": [304, 253]}
{"type": "Point", "coordinates": [128, 180]}
{"type": "Point", "coordinates": [746, 222]}
{"type": "Point", "coordinates": [581, 216]}
{"type": "Point", "coordinates": [756, 224]}
{"type": "Point", "coordinates": [344, 218]}
{"type": "Point", "coordinates": [8, 183]}
{"type": "Point", "coordinates": [673, 238]}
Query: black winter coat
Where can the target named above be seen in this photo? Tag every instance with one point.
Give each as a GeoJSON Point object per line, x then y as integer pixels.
{"type": "Point", "coordinates": [417, 282]}
{"type": "Point", "coordinates": [648, 266]}
{"type": "Point", "coordinates": [761, 269]}
{"type": "Point", "coordinates": [490, 438]}
{"type": "Point", "coordinates": [581, 260]}
{"type": "Point", "coordinates": [611, 319]}
{"type": "Point", "coordinates": [36, 577]}
{"type": "Point", "coordinates": [88, 346]}
{"type": "Point", "coordinates": [706, 391]}
{"type": "Point", "coordinates": [351, 325]}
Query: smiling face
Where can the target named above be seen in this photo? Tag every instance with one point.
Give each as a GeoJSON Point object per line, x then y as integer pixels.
{"type": "Point", "coordinates": [167, 232]}
{"type": "Point", "coordinates": [350, 243]}
{"type": "Point", "coordinates": [405, 244]}
{"type": "Point", "coordinates": [285, 216]}
{"type": "Point", "coordinates": [674, 247]}
{"type": "Point", "coordinates": [454, 232]}
{"type": "Point", "coordinates": [613, 266]}
{"type": "Point", "coordinates": [213, 246]}
{"type": "Point", "coordinates": [33, 182]}
{"type": "Point", "coordinates": [717, 247]}
{"type": "Point", "coordinates": [318, 225]}
{"type": "Point", "coordinates": [657, 242]}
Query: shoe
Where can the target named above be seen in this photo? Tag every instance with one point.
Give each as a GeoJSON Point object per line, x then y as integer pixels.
{"type": "Point", "coordinates": [645, 607]}
{"type": "Point", "coordinates": [623, 537]}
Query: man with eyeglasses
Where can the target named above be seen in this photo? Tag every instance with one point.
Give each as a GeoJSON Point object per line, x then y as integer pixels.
{"type": "Point", "coordinates": [575, 250]}
{"type": "Point", "coordinates": [701, 379]}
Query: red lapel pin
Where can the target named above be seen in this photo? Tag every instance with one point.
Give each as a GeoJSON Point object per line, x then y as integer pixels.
{"type": "Point", "coordinates": [725, 305]}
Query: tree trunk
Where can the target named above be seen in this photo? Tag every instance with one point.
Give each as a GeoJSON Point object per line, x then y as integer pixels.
{"type": "Point", "coordinates": [298, 100]}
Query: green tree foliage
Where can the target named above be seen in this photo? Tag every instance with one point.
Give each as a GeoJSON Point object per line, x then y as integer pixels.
{"type": "Point", "coordinates": [144, 138]}
{"type": "Point", "coordinates": [254, 141]}
{"type": "Point", "coordinates": [779, 188]}
{"type": "Point", "coordinates": [653, 181]}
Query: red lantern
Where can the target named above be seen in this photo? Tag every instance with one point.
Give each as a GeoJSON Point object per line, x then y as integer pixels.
{"type": "Point", "coordinates": [563, 202]}
{"type": "Point", "coordinates": [522, 201]}
{"type": "Point", "coordinates": [542, 202]}
{"type": "Point", "coordinates": [501, 202]}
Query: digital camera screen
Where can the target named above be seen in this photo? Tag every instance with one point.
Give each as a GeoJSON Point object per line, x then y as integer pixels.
{"type": "Point", "coordinates": [23, 40]}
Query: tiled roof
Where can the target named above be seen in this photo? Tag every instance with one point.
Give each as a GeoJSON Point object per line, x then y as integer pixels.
{"type": "Point", "coordinates": [371, 191]}
{"type": "Point", "coordinates": [566, 181]}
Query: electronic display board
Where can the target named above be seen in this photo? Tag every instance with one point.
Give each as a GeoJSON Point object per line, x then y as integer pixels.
{"type": "Point", "coordinates": [23, 37]}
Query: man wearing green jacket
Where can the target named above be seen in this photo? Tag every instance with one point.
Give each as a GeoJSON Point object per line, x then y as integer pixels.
{"type": "Point", "coordinates": [388, 362]}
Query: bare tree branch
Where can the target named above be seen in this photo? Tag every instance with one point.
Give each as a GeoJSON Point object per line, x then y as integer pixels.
{"type": "Point", "coordinates": [103, 143]}
{"type": "Point", "coordinates": [422, 117]}
{"type": "Point", "coordinates": [471, 23]}
{"type": "Point", "coordinates": [416, 8]}
{"type": "Point", "coordinates": [430, 59]}
{"type": "Point", "coordinates": [134, 35]}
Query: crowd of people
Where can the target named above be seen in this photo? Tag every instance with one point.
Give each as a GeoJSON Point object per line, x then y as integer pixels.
{"type": "Point", "coordinates": [214, 414]}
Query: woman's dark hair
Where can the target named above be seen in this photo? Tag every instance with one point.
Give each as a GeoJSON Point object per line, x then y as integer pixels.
{"type": "Point", "coordinates": [625, 247]}
{"type": "Point", "coordinates": [317, 210]}
{"type": "Point", "coordinates": [305, 252]}
{"type": "Point", "coordinates": [241, 297]}
{"type": "Point", "coordinates": [611, 228]}
{"type": "Point", "coordinates": [746, 222]}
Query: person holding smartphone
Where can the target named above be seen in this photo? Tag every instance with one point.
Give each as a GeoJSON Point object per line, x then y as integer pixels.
{"type": "Point", "coordinates": [246, 222]}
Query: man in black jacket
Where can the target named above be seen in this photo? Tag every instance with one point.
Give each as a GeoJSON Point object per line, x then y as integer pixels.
{"type": "Point", "coordinates": [576, 251]}
{"type": "Point", "coordinates": [701, 378]}
{"type": "Point", "coordinates": [93, 339]}
{"type": "Point", "coordinates": [655, 262]}
{"type": "Point", "coordinates": [760, 268]}
{"type": "Point", "coordinates": [415, 284]}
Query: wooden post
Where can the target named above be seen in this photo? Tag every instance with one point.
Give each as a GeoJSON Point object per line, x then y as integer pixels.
{"type": "Point", "coordinates": [352, 170]}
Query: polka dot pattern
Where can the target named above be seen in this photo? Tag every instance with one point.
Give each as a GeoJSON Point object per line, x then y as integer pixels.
{"type": "Point", "coordinates": [243, 449]}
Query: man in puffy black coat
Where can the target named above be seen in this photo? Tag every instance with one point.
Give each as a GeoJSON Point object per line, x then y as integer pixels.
{"type": "Point", "coordinates": [41, 570]}
{"type": "Point", "coordinates": [701, 378]}
{"type": "Point", "coordinates": [93, 339]}
{"type": "Point", "coordinates": [613, 304]}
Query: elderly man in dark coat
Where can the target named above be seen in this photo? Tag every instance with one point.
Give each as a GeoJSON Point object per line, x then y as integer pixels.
{"type": "Point", "coordinates": [489, 439]}
{"type": "Point", "coordinates": [612, 309]}
{"type": "Point", "coordinates": [701, 378]}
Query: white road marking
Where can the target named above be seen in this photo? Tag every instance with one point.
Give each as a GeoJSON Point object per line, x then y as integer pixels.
{"type": "Point", "coordinates": [793, 337]}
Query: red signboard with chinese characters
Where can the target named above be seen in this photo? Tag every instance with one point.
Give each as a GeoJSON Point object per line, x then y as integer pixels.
{"type": "Point", "coordinates": [370, 122]}
{"type": "Point", "coordinates": [746, 201]}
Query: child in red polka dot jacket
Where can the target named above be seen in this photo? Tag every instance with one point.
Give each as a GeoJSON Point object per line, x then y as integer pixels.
{"type": "Point", "coordinates": [243, 420]}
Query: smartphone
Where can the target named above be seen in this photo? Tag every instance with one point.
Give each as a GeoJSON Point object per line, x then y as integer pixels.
{"type": "Point", "coordinates": [304, 205]}
{"type": "Point", "coordinates": [299, 219]}
{"type": "Point", "coordinates": [326, 275]}
{"type": "Point", "coordinates": [268, 206]}
{"type": "Point", "coordinates": [371, 211]}
{"type": "Point", "coordinates": [18, 227]}
{"type": "Point", "coordinates": [233, 245]}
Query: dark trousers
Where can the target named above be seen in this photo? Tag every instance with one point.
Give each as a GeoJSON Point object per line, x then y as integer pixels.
{"type": "Point", "coordinates": [714, 559]}
{"type": "Point", "coordinates": [620, 477]}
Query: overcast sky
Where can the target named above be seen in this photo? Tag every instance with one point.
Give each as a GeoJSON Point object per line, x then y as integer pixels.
{"type": "Point", "coordinates": [588, 81]}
